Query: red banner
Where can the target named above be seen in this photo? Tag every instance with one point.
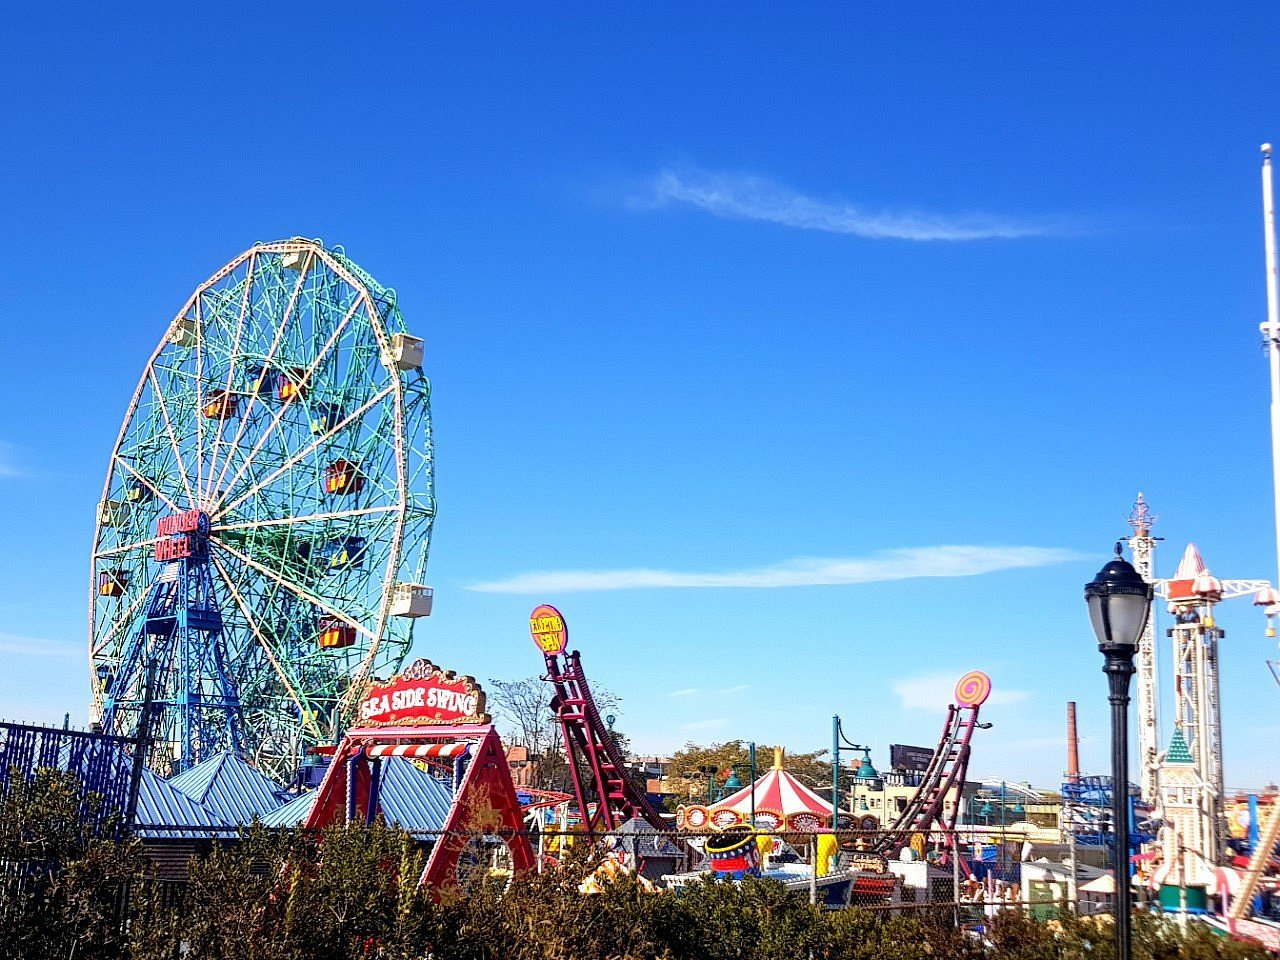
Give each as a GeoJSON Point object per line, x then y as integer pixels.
{"type": "Point", "coordinates": [423, 695]}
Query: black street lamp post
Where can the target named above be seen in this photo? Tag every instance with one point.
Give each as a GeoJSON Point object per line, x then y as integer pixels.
{"type": "Point", "coordinates": [1119, 603]}
{"type": "Point", "coordinates": [710, 771]}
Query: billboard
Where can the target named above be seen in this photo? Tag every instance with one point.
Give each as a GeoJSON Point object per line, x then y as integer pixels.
{"type": "Point", "coordinates": [903, 757]}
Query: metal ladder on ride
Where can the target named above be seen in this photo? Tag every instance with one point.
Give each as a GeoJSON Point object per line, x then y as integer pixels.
{"type": "Point", "coordinates": [592, 754]}
{"type": "Point", "coordinates": [946, 770]}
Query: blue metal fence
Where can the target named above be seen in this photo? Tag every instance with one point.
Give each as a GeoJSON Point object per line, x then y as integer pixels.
{"type": "Point", "coordinates": [103, 764]}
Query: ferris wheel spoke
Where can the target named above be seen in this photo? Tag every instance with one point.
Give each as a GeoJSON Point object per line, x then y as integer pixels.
{"type": "Point", "coordinates": [393, 564]}
{"type": "Point", "coordinates": [307, 518]}
{"type": "Point", "coordinates": [271, 354]}
{"type": "Point", "coordinates": [305, 451]}
{"type": "Point", "coordinates": [173, 440]}
{"type": "Point", "coordinates": [125, 548]}
{"type": "Point", "coordinates": [147, 482]}
{"type": "Point", "coordinates": [198, 311]}
{"type": "Point", "coordinates": [279, 414]}
{"type": "Point", "coordinates": [292, 587]}
{"type": "Point", "coordinates": [289, 683]}
{"type": "Point", "coordinates": [123, 620]}
{"type": "Point", "coordinates": [234, 353]}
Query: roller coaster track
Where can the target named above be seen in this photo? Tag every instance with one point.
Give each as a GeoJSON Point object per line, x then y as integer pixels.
{"type": "Point", "coordinates": [605, 794]}
{"type": "Point", "coordinates": [927, 809]}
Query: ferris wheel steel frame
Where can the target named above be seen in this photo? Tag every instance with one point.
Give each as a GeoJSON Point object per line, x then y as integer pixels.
{"type": "Point", "coordinates": [284, 370]}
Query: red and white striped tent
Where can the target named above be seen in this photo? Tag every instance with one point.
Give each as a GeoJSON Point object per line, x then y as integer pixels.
{"type": "Point", "coordinates": [781, 801]}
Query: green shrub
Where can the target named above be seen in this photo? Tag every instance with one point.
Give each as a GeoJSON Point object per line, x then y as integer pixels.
{"type": "Point", "coordinates": [73, 892]}
{"type": "Point", "coordinates": [64, 874]}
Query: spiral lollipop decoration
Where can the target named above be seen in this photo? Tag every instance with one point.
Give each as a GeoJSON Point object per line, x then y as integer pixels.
{"type": "Point", "coordinates": [973, 689]}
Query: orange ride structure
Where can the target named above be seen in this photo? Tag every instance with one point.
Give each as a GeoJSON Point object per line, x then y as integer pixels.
{"type": "Point", "coordinates": [432, 715]}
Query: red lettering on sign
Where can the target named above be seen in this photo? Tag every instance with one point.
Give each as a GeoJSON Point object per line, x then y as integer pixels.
{"type": "Point", "coordinates": [178, 548]}
{"type": "Point", "coordinates": [186, 522]}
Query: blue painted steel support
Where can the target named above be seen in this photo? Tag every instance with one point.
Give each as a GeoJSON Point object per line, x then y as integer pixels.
{"type": "Point", "coordinates": [1253, 822]}
{"type": "Point", "coordinates": [181, 634]}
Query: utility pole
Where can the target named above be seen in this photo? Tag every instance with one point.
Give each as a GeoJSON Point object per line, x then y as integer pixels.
{"type": "Point", "coordinates": [1271, 337]}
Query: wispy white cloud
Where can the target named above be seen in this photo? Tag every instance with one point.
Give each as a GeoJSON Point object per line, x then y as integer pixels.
{"type": "Point", "coordinates": [688, 692]}
{"type": "Point", "coordinates": [738, 196]}
{"type": "Point", "coordinates": [905, 564]}
{"type": "Point", "coordinates": [935, 690]}
{"type": "Point", "coordinates": [705, 724]}
{"type": "Point", "coordinates": [9, 468]}
{"type": "Point", "coordinates": [12, 643]}
{"type": "Point", "coordinates": [740, 688]}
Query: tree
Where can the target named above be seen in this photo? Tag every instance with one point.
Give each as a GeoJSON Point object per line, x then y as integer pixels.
{"type": "Point", "coordinates": [523, 709]}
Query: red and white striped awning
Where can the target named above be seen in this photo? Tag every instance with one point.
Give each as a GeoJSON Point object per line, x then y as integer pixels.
{"type": "Point", "coordinates": [420, 751]}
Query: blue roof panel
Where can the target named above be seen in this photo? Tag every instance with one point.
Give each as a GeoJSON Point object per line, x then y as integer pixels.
{"type": "Point", "coordinates": [413, 798]}
{"type": "Point", "coordinates": [292, 813]}
{"type": "Point", "coordinates": [410, 797]}
{"type": "Point", "coordinates": [230, 788]}
{"type": "Point", "coordinates": [162, 805]}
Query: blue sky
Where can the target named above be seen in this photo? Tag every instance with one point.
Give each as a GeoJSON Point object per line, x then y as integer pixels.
{"type": "Point", "coordinates": [775, 304]}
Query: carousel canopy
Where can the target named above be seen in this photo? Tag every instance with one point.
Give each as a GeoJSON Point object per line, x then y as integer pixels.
{"type": "Point", "coordinates": [776, 792]}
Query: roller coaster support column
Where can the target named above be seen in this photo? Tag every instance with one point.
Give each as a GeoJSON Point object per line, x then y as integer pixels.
{"type": "Point", "coordinates": [141, 745]}
{"type": "Point", "coordinates": [1119, 603]}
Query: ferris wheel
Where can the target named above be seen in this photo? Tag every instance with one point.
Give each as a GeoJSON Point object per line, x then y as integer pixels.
{"type": "Point", "coordinates": [262, 537]}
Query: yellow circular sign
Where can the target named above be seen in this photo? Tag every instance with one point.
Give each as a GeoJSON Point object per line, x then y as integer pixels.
{"type": "Point", "coordinates": [547, 626]}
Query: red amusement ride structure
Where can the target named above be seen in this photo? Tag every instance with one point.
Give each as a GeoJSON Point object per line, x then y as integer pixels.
{"type": "Point", "coordinates": [929, 808]}
{"type": "Point", "coordinates": [606, 796]}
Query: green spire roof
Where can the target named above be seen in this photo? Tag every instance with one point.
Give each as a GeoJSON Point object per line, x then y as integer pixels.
{"type": "Point", "coordinates": [1178, 752]}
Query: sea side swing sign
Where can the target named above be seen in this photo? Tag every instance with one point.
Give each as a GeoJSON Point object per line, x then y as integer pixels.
{"type": "Point", "coordinates": [423, 695]}
{"type": "Point", "coordinates": [428, 713]}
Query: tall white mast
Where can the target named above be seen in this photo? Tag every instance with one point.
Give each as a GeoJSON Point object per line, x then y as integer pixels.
{"type": "Point", "coordinates": [1271, 334]}
{"type": "Point", "coordinates": [1271, 330]}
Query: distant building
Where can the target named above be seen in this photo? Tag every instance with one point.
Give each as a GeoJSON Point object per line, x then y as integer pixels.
{"type": "Point", "coordinates": [878, 800]}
